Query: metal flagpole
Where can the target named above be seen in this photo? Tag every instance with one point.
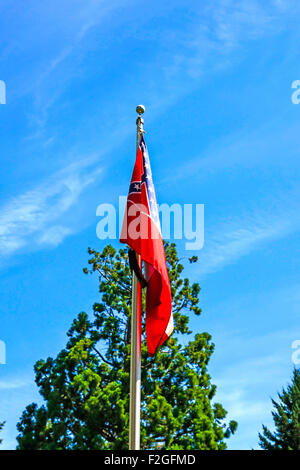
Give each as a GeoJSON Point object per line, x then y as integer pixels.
{"type": "Point", "coordinates": [135, 357]}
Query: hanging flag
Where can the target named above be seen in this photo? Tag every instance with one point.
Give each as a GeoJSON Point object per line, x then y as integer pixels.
{"type": "Point", "coordinates": [141, 231]}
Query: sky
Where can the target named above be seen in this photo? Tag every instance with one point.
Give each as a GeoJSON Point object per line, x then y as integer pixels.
{"type": "Point", "coordinates": [222, 129]}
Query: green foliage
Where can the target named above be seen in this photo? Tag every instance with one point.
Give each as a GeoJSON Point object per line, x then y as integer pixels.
{"type": "Point", "coordinates": [86, 387]}
{"type": "Point", "coordinates": [286, 419]}
{"type": "Point", "coordinates": [1, 427]}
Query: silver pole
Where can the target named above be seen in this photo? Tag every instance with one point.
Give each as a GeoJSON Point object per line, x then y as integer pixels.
{"type": "Point", "coordinates": [135, 357]}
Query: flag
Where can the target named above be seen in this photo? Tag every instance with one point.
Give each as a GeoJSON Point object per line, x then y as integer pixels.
{"type": "Point", "coordinates": [141, 231]}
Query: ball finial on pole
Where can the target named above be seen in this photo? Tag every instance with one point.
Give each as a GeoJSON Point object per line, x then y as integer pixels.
{"type": "Point", "coordinates": [140, 109]}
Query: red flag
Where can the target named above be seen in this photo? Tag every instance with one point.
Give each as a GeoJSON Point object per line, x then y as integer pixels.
{"type": "Point", "coordinates": [141, 231]}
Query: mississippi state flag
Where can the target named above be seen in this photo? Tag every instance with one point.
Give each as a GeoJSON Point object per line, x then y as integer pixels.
{"type": "Point", "coordinates": [141, 231]}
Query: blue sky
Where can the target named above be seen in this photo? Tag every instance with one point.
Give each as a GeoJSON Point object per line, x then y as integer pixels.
{"type": "Point", "coordinates": [216, 79]}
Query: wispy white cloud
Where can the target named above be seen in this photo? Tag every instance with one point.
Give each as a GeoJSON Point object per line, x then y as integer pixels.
{"type": "Point", "coordinates": [91, 14]}
{"type": "Point", "coordinates": [14, 383]}
{"type": "Point", "coordinates": [57, 49]}
{"type": "Point", "coordinates": [214, 30]}
{"type": "Point", "coordinates": [218, 28]}
{"type": "Point", "coordinates": [272, 144]}
{"type": "Point", "coordinates": [54, 235]}
{"type": "Point", "coordinates": [17, 391]}
{"type": "Point", "coordinates": [241, 407]}
{"type": "Point", "coordinates": [237, 237]}
{"type": "Point", "coordinates": [250, 414]}
{"type": "Point", "coordinates": [33, 217]}
{"type": "Point", "coordinates": [246, 384]}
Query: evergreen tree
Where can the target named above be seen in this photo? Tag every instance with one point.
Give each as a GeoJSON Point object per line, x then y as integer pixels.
{"type": "Point", "coordinates": [86, 387]}
{"type": "Point", "coordinates": [1, 427]}
{"type": "Point", "coordinates": [286, 419]}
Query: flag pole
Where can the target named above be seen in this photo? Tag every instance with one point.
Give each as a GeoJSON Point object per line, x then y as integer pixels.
{"type": "Point", "coordinates": [135, 353]}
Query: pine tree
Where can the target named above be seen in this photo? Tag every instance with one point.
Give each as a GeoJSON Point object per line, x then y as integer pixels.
{"type": "Point", "coordinates": [286, 419]}
{"type": "Point", "coordinates": [1, 427]}
{"type": "Point", "coordinates": [86, 387]}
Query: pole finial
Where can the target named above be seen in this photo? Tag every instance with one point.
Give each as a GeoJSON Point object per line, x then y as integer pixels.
{"type": "Point", "coordinates": [140, 109]}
